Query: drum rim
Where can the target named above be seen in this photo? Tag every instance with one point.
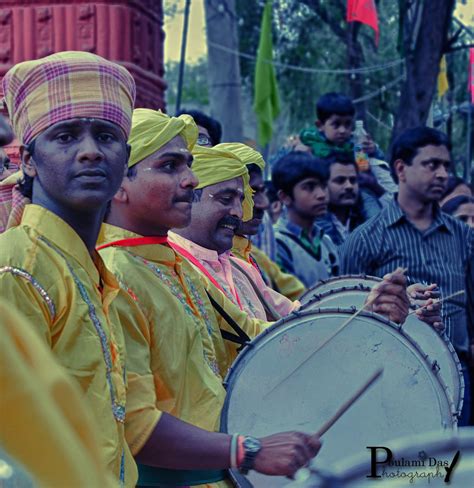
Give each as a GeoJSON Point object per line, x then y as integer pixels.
{"type": "Point", "coordinates": [227, 383]}
{"type": "Point", "coordinates": [349, 468]}
{"type": "Point", "coordinates": [375, 279]}
{"type": "Point", "coordinates": [443, 337]}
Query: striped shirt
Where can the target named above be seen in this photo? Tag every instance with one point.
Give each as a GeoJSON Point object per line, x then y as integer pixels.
{"type": "Point", "coordinates": [442, 254]}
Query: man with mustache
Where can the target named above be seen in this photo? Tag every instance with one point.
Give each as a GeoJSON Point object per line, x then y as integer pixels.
{"type": "Point", "coordinates": [284, 283]}
{"type": "Point", "coordinates": [412, 232]}
{"type": "Point", "coordinates": [177, 358]}
{"type": "Point", "coordinates": [344, 210]}
{"type": "Point", "coordinates": [223, 201]}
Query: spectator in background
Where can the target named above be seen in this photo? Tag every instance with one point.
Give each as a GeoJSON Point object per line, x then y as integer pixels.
{"type": "Point", "coordinates": [345, 207]}
{"type": "Point", "coordinates": [333, 134]}
{"type": "Point", "coordinates": [461, 207]}
{"type": "Point", "coordinates": [275, 208]}
{"type": "Point", "coordinates": [4, 165]}
{"type": "Point", "coordinates": [456, 186]}
{"type": "Point", "coordinates": [303, 249]}
{"type": "Point", "coordinates": [413, 233]}
{"type": "Point", "coordinates": [210, 130]}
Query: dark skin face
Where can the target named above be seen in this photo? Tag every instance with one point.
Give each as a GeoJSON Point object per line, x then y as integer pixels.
{"type": "Point", "coordinates": [425, 179]}
{"type": "Point", "coordinates": [216, 216]}
{"type": "Point", "coordinates": [77, 166]}
{"type": "Point", "coordinates": [343, 187]}
{"type": "Point", "coordinates": [261, 203]}
{"type": "Point", "coordinates": [309, 201]}
{"type": "Point", "coordinates": [159, 197]}
{"type": "Point", "coordinates": [337, 128]}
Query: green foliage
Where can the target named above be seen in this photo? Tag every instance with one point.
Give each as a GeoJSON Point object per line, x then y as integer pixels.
{"type": "Point", "coordinates": [195, 92]}
{"type": "Point", "coordinates": [314, 34]}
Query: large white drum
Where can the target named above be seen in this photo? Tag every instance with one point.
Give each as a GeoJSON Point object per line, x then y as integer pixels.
{"type": "Point", "coordinates": [438, 348]}
{"type": "Point", "coordinates": [363, 282]}
{"type": "Point", "coordinates": [277, 384]}
{"type": "Point", "coordinates": [421, 458]}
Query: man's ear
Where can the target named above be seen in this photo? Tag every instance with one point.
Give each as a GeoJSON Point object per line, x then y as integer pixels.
{"type": "Point", "coordinates": [284, 198]}
{"type": "Point", "coordinates": [28, 164]}
{"type": "Point", "coordinates": [399, 166]}
{"type": "Point", "coordinates": [121, 196]}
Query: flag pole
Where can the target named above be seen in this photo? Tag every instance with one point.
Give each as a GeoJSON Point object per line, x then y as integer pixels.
{"type": "Point", "coordinates": [183, 56]}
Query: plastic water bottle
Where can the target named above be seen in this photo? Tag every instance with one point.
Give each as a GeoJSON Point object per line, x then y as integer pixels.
{"type": "Point", "coordinates": [361, 157]}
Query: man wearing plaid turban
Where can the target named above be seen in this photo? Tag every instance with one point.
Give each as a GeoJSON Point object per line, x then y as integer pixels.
{"type": "Point", "coordinates": [72, 112]}
{"type": "Point", "coordinates": [179, 356]}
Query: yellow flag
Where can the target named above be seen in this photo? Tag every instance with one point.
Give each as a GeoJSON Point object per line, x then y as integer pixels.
{"type": "Point", "coordinates": [443, 85]}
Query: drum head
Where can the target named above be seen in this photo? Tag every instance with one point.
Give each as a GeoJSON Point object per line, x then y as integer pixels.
{"type": "Point", "coordinates": [422, 458]}
{"type": "Point", "coordinates": [439, 350]}
{"type": "Point", "coordinates": [340, 282]}
{"type": "Point", "coordinates": [277, 385]}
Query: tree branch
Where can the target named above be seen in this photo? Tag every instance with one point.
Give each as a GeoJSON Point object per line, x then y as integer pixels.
{"type": "Point", "coordinates": [322, 13]}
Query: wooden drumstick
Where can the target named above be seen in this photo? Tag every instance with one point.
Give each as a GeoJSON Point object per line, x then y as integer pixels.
{"type": "Point", "coordinates": [440, 300]}
{"type": "Point", "coordinates": [331, 337]}
{"type": "Point", "coordinates": [343, 408]}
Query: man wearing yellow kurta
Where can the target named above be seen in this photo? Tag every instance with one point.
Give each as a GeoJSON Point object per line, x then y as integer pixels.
{"type": "Point", "coordinates": [284, 283]}
{"type": "Point", "coordinates": [72, 111]}
{"type": "Point", "coordinates": [216, 216]}
{"type": "Point", "coordinates": [182, 369]}
{"type": "Point", "coordinates": [45, 424]}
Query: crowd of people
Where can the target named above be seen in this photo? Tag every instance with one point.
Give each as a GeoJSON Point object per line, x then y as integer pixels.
{"type": "Point", "coordinates": [139, 254]}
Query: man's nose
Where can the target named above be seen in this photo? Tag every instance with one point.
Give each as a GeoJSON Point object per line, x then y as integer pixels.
{"type": "Point", "coordinates": [90, 150]}
{"type": "Point", "coordinates": [441, 172]}
{"type": "Point", "coordinates": [237, 210]}
{"type": "Point", "coordinates": [189, 180]}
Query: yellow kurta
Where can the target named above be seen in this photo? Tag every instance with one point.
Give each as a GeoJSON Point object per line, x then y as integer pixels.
{"type": "Point", "coordinates": [187, 358]}
{"type": "Point", "coordinates": [47, 273]}
{"type": "Point", "coordinates": [45, 423]}
{"type": "Point", "coordinates": [284, 283]}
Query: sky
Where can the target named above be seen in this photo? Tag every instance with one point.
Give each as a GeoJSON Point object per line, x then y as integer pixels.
{"type": "Point", "coordinates": [196, 44]}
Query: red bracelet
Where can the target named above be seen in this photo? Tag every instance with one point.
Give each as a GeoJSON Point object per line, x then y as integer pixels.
{"type": "Point", "coordinates": [240, 450]}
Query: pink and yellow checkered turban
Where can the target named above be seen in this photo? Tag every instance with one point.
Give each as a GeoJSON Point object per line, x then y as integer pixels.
{"type": "Point", "coordinates": [64, 86]}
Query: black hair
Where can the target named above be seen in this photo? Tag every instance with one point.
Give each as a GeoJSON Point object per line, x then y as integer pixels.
{"type": "Point", "coordinates": [212, 125]}
{"type": "Point", "coordinates": [271, 191]}
{"type": "Point", "coordinates": [453, 182]}
{"type": "Point", "coordinates": [295, 167]}
{"type": "Point", "coordinates": [454, 203]}
{"type": "Point", "coordinates": [254, 168]}
{"type": "Point", "coordinates": [406, 145]}
{"type": "Point", "coordinates": [340, 157]}
{"type": "Point", "coordinates": [334, 104]}
{"type": "Point", "coordinates": [25, 185]}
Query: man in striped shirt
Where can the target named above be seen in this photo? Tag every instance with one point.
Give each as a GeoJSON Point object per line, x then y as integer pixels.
{"type": "Point", "coordinates": [413, 233]}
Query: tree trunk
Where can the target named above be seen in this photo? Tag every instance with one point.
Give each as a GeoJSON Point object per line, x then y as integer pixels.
{"type": "Point", "coordinates": [355, 59]}
{"type": "Point", "coordinates": [223, 67]}
{"type": "Point", "coordinates": [422, 64]}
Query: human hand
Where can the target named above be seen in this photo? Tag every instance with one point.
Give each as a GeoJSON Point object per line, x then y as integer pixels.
{"type": "Point", "coordinates": [389, 298]}
{"type": "Point", "coordinates": [368, 145]}
{"type": "Point", "coordinates": [285, 453]}
{"type": "Point", "coordinates": [424, 296]}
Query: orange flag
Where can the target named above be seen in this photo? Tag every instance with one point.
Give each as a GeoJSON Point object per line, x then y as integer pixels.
{"type": "Point", "coordinates": [364, 11]}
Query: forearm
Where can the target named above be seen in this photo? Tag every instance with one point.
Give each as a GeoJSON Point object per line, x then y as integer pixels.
{"type": "Point", "coordinates": [175, 444]}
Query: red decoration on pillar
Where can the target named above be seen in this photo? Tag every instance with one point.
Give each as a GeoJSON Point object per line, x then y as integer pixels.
{"type": "Point", "coordinates": [129, 32]}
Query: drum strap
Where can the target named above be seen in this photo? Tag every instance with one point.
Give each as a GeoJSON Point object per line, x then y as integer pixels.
{"type": "Point", "coordinates": [271, 313]}
{"type": "Point", "coordinates": [241, 338]}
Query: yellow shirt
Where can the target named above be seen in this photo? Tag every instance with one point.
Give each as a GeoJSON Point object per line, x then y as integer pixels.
{"type": "Point", "coordinates": [284, 283]}
{"type": "Point", "coordinates": [187, 357]}
{"type": "Point", "coordinates": [45, 424]}
{"type": "Point", "coordinates": [48, 273]}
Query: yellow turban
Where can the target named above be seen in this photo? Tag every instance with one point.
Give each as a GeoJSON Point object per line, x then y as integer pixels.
{"type": "Point", "coordinates": [64, 86]}
{"type": "Point", "coordinates": [246, 154]}
{"type": "Point", "coordinates": [214, 165]}
{"type": "Point", "coordinates": [152, 129]}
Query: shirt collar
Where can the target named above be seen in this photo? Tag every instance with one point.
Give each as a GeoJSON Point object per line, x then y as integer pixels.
{"type": "Point", "coordinates": [296, 229]}
{"type": "Point", "coordinates": [153, 252]}
{"type": "Point", "coordinates": [64, 237]}
{"type": "Point", "coordinates": [395, 214]}
{"type": "Point", "coordinates": [199, 252]}
{"type": "Point", "coordinates": [242, 247]}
